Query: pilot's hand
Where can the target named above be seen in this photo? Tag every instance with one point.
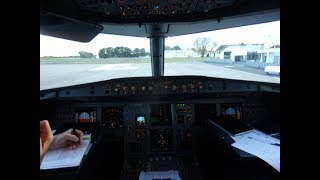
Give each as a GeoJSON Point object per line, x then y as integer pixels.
{"type": "Point", "coordinates": [71, 138]}
{"type": "Point", "coordinates": [46, 137]}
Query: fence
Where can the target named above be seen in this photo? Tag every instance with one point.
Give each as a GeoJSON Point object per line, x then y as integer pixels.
{"type": "Point", "coordinates": [248, 63]}
{"type": "Point", "coordinates": [223, 61]}
{"type": "Point", "coordinates": [259, 65]}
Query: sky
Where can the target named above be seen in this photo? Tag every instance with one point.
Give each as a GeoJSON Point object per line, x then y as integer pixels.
{"type": "Point", "coordinates": [266, 33]}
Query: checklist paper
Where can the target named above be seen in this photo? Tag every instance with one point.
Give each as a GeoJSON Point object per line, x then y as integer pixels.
{"type": "Point", "coordinates": [64, 157]}
{"type": "Point", "coordinates": [261, 145]}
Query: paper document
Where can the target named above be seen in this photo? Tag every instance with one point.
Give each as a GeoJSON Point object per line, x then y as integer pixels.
{"type": "Point", "coordinates": [261, 145]}
{"type": "Point", "coordinates": [173, 175]}
{"type": "Point", "coordinates": [64, 157]}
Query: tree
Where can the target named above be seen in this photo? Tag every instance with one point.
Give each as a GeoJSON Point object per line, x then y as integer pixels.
{"type": "Point", "coordinates": [167, 48]}
{"type": "Point", "coordinates": [84, 54]}
{"type": "Point", "coordinates": [176, 48]}
{"type": "Point", "coordinates": [103, 53]}
{"type": "Point", "coordinates": [143, 52]}
{"type": "Point", "coordinates": [136, 52]}
{"type": "Point", "coordinates": [106, 52]}
{"type": "Point", "coordinates": [201, 45]}
{"type": "Point", "coordinates": [121, 51]}
{"type": "Point", "coordinates": [221, 48]}
{"type": "Point", "coordinates": [212, 48]}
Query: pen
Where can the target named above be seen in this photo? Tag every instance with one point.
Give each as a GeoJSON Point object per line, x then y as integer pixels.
{"type": "Point", "coordinates": [76, 134]}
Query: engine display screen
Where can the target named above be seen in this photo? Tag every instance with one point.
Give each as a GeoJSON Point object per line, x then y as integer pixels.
{"type": "Point", "coordinates": [161, 140]}
{"type": "Point", "coordinates": [160, 115]}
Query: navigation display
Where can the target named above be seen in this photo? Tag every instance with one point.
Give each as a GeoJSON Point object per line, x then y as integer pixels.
{"type": "Point", "coordinates": [160, 115]}
{"type": "Point", "coordinates": [140, 120]}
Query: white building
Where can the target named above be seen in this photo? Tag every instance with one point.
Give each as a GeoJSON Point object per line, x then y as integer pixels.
{"type": "Point", "coordinates": [180, 53]}
{"type": "Point", "coordinates": [252, 52]}
{"type": "Point", "coordinates": [270, 55]}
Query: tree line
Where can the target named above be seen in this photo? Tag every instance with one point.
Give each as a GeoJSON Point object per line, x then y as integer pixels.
{"type": "Point", "coordinates": [204, 46]}
{"type": "Point", "coordinates": [121, 51]}
{"type": "Point", "coordinates": [172, 48]}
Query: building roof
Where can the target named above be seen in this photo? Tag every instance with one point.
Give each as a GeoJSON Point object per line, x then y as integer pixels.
{"type": "Point", "coordinates": [246, 47]}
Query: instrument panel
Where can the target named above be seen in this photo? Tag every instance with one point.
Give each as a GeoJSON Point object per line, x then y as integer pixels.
{"type": "Point", "coordinates": [122, 88]}
{"type": "Point", "coordinates": [139, 110]}
{"type": "Point", "coordinates": [145, 8]}
{"type": "Point", "coordinates": [172, 86]}
{"type": "Point", "coordinates": [151, 129]}
{"type": "Point", "coordinates": [157, 133]}
{"type": "Point", "coordinates": [148, 128]}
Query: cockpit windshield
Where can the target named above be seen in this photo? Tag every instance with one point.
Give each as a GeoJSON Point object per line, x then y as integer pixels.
{"type": "Point", "coordinates": [246, 53]}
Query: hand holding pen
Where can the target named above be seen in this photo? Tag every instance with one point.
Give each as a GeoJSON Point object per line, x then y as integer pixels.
{"type": "Point", "coordinates": [71, 138]}
{"type": "Point", "coordinates": [78, 134]}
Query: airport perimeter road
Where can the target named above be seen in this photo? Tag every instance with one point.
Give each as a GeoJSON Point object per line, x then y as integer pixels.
{"type": "Point", "coordinates": [241, 67]}
{"type": "Point", "coordinates": [59, 75]}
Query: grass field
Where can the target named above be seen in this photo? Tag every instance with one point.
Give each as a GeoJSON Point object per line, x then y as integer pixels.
{"type": "Point", "coordinates": [64, 60]}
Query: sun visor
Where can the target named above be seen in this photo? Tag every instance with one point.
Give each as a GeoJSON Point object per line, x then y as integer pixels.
{"type": "Point", "coordinates": [67, 28]}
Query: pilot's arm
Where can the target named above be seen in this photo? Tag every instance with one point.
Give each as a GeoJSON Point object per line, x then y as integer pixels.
{"type": "Point", "coordinates": [71, 138]}
{"type": "Point", "coordinates": [46, 137]}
